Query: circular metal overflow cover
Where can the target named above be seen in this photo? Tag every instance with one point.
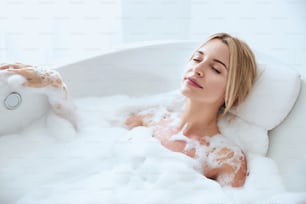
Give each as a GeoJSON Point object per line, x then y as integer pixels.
{"type": "Point", "coordinates": [12, 101]}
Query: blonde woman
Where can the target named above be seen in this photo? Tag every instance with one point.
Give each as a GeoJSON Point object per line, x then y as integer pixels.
{"type": "Point", "coordinates": [219, 76]}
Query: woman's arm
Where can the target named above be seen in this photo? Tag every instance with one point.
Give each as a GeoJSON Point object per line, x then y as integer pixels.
{"type": "Point", "coordinates": [35, 77]}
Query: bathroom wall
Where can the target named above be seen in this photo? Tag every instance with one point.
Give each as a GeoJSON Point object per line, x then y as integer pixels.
{"type": "Point", "coordinates": [52, 32]}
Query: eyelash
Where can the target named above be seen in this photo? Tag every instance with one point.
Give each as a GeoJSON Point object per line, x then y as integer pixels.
{"type": "Point", "coordinates": [216, 70]}
{"type": "Point", "coordinates": [196, 60]}
{"type": "Point", "coordinates": [213, 68]}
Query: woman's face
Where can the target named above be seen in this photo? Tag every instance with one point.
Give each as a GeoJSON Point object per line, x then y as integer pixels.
{"type": "Point", "coordinates": [206, 75]}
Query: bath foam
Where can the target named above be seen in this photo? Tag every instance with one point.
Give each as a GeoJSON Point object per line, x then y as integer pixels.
{"type": "Point", "coordinates": [103, 162]}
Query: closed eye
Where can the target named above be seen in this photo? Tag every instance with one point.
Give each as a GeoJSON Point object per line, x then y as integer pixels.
{"type": "Point", "coordinates": [216, 70]}
{"type": "Point", "coordinates": [196, 60]}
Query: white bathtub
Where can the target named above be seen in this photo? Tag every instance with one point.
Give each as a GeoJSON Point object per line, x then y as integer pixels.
{"type": "Point", "coordinates": [153, 69]}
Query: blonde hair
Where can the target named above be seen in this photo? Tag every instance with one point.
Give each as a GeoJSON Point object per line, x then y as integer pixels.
{"type": "Point", "coordinates": [242, 70]}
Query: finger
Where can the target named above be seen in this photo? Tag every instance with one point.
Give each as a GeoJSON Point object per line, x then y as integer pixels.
{"type": "Point", "coordinates": [15, 66]}
{"type": "Point", "coordinates": [5, 66]}
{"type": "Point", "coordinates": [10, 66]}
{"type": "Point", "coordinates": [22, 65]}
{"type": "Point", "coordinates": [21, 72]}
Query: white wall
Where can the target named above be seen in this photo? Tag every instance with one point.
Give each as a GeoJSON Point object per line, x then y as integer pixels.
{"type": "Point", "coordinates": [156, 20]}
{"type": "Point", "coordinates": [54, 32]}
{"type": "Point", "coordinates": [50, 32]}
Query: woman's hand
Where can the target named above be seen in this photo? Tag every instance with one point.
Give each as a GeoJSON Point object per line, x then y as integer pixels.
{"type": "Point", "coordinates": [134, 121]}
{"type": "Point", "coordinates": [139, 120]}
{"type": "Point", "coordinates": [35, 77]}
{"type": "Point", "coordinates": [46, 81]}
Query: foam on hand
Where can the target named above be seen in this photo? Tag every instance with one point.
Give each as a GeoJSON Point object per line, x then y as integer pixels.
{"type": "Point", "coordinates": [36, 80]}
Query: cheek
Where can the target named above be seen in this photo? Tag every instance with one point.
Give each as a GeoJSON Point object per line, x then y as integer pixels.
{"type": "Point", "coordinates": [184, 74]}
{"type": "Point", "coordinates": [219, 85]}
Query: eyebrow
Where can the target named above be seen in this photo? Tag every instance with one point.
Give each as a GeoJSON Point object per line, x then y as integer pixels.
{"type": "Point", "coordinates": [216, 60]}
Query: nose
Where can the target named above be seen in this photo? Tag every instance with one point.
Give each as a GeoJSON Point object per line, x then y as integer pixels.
{"type": "Point", "coordinates": [198, 70]}
{"type": "Point", "coordinates": [199, 73]}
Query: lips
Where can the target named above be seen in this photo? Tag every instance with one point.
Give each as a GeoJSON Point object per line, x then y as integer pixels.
{"type": "Point", "coordinates": [193, 82]}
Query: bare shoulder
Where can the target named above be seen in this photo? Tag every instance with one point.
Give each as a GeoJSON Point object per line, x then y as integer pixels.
{"type": "Point", "coordinates": [228, 162]}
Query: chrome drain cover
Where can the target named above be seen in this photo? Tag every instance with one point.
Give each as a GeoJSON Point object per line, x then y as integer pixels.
{"type": "Point", "coordinates": [12, 101]}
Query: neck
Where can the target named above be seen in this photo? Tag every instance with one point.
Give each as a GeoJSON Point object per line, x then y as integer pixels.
{"type": "Point", "coordinates": [199, 119]}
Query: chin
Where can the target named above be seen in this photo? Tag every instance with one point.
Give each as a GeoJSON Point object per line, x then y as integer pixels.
{"type": "Point", "coordinates": [185, 92]}
{"type": "Point", "coordinates": [190, 95]}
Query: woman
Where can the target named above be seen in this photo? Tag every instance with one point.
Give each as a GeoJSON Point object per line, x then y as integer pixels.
{"type": "Point", "coordinates": [219, 76]}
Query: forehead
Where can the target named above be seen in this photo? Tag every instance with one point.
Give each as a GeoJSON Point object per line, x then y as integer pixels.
{"type": "Point", "coordinates": [216, 49]}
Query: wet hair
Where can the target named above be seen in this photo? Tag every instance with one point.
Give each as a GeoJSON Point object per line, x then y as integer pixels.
{"type": "Point", "coordinates": [242, 70]}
